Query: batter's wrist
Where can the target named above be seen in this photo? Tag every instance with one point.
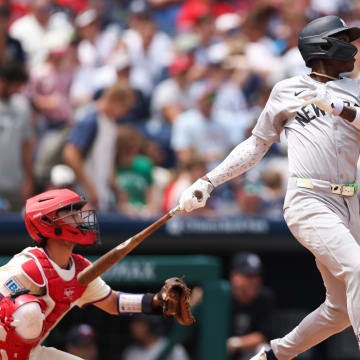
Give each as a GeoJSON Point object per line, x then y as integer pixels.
{"type": "Point", "coordinates": [208, 180]}
{"type": "Point", "coordinates": [337, 107]}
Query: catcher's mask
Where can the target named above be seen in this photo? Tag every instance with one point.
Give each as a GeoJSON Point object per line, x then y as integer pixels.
{"type": "Point", "coordinates": [316, 40]}
{"type": "Point", "coordinates": [42, 218]}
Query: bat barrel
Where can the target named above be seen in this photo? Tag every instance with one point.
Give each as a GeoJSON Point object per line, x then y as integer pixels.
{"type": "Point", "coordinates": [109, 259]}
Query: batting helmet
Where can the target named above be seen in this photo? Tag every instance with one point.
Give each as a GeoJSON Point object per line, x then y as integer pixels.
{"type": "Point", "coordinates": [43, 222]}
{"type": "Point", "coordinates": [316, 41]}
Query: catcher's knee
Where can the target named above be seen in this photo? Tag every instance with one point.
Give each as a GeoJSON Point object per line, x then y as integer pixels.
{"type": "Point", "coordinates": [28, 321]}
{"type": "Point", "coordinates": [22, 315]}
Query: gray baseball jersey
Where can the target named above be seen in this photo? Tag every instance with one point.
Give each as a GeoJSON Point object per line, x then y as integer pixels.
{"type": "Point", "coordinates": [320, 145]}
{"type": "Point", "coordinates": [324, 147]}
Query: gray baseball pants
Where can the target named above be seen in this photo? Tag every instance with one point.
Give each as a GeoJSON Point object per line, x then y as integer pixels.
{"type": "Point", "coordinates": [329, 226]}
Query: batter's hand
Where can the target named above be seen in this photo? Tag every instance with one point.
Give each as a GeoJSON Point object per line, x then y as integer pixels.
{"type": "Point", "coordinates": [321, 96]}
{"type": "Point", "coordinates": [196, 195]}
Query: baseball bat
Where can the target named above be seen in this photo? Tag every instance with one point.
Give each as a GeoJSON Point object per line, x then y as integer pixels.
{"type": "Point", "coordinates": [109, 259]}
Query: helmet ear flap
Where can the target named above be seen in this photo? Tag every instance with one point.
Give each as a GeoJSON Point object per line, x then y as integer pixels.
{"type": "Point", "coordinates": [33, 231]}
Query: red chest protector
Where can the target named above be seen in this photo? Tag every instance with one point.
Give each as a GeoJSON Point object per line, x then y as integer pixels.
{"type": "Point", "coordinates": [62, 292]}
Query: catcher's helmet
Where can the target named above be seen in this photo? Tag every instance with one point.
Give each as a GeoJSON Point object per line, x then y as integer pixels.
{"type": "Point", "coordinates": [316, 41]}
{"type": "Point", "coordinates": [42, 220]}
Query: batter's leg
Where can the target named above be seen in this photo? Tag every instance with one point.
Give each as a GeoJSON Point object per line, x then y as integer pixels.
{"type": "Point", "coordinates": [328, 319]}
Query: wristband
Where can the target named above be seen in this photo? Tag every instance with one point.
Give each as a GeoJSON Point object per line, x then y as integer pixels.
{"type": "Point", "coordinates": [337, 107]}
{"type": "Point", "coordinates": [136, 303]}
{"type": "Point", "coordinates": [235, 341]}
{"type": "Point", "coordinates": [129, 303]}
{"type": "Point", "coordinates": [356, 121]}
{"type": "Point", "coordinates": [205, 185]}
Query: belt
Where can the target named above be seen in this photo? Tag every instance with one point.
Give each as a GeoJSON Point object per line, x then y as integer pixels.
{"type": "Point", "coordinates": [346, 190]}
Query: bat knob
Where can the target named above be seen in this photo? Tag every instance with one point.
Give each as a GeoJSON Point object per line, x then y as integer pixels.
{"type": "Point", "coordinates": [198, 194]}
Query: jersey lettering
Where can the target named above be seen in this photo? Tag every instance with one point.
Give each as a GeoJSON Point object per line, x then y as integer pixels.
{"type": "Point", "coordinates": [307, 114]}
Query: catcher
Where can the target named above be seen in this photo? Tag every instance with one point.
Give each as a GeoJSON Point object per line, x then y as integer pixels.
{"type": "Point", "coordinates": [39, 285]}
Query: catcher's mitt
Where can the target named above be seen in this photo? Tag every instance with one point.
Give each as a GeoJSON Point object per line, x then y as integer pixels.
{"type": "Point", "coordinates": [174, 298]}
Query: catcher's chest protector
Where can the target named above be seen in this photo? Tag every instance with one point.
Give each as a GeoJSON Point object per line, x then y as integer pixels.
{"type": "Point", "coordinates": [60, 294]}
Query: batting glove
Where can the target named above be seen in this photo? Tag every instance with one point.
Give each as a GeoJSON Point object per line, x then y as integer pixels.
{"type": "Point", "coordinates": [196, 195]}
{"type": "Point", "coordinates": [321, 96]}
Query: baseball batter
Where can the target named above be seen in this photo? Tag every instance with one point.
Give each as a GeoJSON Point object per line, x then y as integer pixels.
{"type": "Point", "coordinates": [320, 115]}
{"type": "Point", "coordinates": [39, 285]}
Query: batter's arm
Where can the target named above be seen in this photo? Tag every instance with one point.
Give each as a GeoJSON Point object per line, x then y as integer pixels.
{"type": "Point", "coordinates": [243, 157]}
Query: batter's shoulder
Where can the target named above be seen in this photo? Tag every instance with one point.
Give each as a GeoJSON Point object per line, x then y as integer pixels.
{"type": "Point", "coordinates": [288, 84]}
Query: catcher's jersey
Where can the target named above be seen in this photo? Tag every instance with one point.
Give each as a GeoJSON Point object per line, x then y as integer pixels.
{"type": "Point", "coordinates": [320, 145]}
{"type": "Point", "coordinates": [13, 278]}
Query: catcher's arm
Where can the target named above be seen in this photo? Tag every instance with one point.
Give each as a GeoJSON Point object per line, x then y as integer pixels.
{"type": "Point", "coordinates": [173, 299]}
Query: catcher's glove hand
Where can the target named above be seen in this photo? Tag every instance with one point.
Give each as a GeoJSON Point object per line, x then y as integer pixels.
{"type": "Point", "coordinates": [174, 298]}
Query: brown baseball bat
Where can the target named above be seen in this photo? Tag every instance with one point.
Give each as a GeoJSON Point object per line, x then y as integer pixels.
{"type": "Point", "coordinates": [109, 259]}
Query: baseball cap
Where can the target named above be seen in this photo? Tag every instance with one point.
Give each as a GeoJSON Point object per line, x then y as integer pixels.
{"type": "Point", "coordinates": [246, 263]}
{"type": "Point", "coordinates": [180, 64]}
{"type": "Point", "coordinates": [62, 176]}
{"type": "Point", "coordinates": [82, 334]}
{"type": "Point", "coordinates": [86, 18]}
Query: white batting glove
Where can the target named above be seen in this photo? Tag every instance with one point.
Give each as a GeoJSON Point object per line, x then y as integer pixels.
{"type": "Point", "coordinates": [321, 96]}
{"type": "Point", "coordinates": [196, 195]}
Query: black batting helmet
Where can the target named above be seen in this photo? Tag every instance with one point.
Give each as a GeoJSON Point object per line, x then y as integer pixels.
{"type": "Point", "coordinates": [316, 41]}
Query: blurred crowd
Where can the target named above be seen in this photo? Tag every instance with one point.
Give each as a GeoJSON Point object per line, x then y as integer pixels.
{"type": "Point", "coordinates": [130, 101]}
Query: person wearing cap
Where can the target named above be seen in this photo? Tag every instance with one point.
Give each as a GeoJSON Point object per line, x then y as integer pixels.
{"type": "Point", "coordinates": [97, 44]}
{"type": "Point", "coordinates": [253, 306]}
{"type": "Point", "coordinates": [81, 341]}
{"type": "Point", "coordinates": [148, 333]}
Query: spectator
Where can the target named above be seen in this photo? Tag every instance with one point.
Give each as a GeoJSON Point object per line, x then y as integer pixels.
{"type": "Point", "coordinates": [118, 69]}
{"type": "Point", "coordinates": [247, 197]}
{"type": "Point", "coordinates": [81, 341]}
{"type": "Point", "coordinates": [165, 13]}
{"type": "Point", "coordinates": [34, 29]}
{"type": "Point", "coordinates": [253, 307]}
{"type": "Point", "coordinates": [199, 131]}
{"type": "Point", "coordinates": [49, 90]}
{"type": "Point", "coordinates": [61, 176]}
{"type": "Point", "coordinates": [147, 332]}
{"type": "Point", "coordinates": [96, 43]}
{"type": "Point", "coordinates": [90, 149]}
{"type": "Point", "coordinates": [133, 175]}
{"type": "Point", "coordinates": [16, 138]}
{"type": "Point", "coordinates": [170, 98]}
{"type": "Point", "coordinates": [10, 48]}
{"type": "Point", "coordinates": [189, 171]}
{"type": "Point", "coordinates": [150, 50]}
